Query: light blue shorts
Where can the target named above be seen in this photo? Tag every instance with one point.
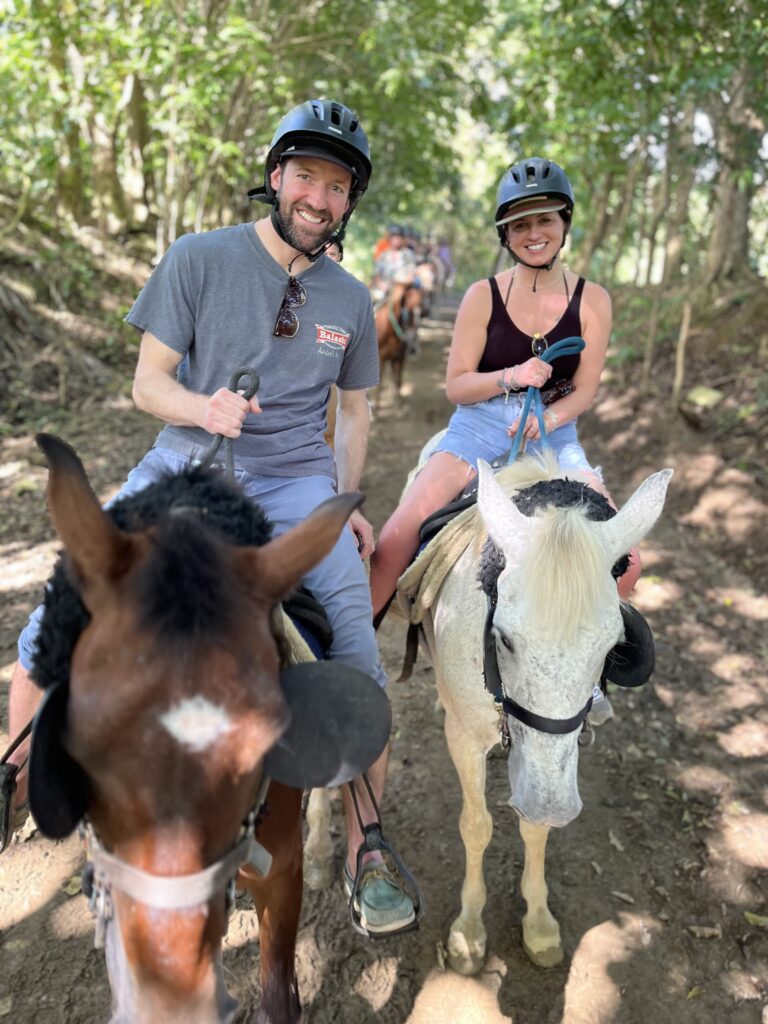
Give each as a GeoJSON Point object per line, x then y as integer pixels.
{"type": "Point", "coordinates": [339, 582]}
{"type": "Point", "coordinates": [480, 432]}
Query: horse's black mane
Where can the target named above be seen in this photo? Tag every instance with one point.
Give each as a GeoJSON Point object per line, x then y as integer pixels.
{"type": "Point", "coordinates": [562, 493]}
{"type": "Point", "coordinates": [192, 509]}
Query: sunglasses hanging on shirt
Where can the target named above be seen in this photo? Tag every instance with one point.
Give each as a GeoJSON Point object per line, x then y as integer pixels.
{"type": "Point", "coordinates": [287, 323]}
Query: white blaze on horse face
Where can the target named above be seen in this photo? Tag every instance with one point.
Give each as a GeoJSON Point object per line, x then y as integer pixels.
{"type": "Point", "coordinates": [196, 723]}
{"type": "Point", "coordinates": [637, 517]}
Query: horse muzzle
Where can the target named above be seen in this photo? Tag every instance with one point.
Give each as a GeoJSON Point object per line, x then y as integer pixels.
{"type": "Point", "coordinates": [543, 777]}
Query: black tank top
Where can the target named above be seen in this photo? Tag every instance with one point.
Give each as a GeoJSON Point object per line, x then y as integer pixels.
{"type": "Point", "coordinates": [507, 345]}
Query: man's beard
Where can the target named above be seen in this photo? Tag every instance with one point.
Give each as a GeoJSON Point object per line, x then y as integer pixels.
{"type": "Point", "coordinates": [294, 238]}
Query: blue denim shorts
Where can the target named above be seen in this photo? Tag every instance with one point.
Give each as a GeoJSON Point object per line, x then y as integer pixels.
{"type": "Point", "coordinates": [339, 582]}
{"type": "Point", "coordinates": [479, 431]}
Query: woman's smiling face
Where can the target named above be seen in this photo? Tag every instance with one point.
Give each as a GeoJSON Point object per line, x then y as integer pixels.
{"type": "Point", "coordinates": [537, 238]}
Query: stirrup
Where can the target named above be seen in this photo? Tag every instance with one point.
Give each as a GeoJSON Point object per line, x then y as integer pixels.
{"type": "Point", "coordinates": [374, 841]}
{"type": "Point", "coordinates": [8, 774]}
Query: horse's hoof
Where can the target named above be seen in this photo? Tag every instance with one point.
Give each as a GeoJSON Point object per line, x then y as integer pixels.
{"type": "Point", "coordinates": [318, 876]}
{"type": "Point", "coordinates": [465, 960]}
{"type": "Point", "coordinates": [549, 957]}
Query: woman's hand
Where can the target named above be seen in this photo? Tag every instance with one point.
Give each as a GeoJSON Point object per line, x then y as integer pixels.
{"type": "Point", "coordinates": [531, 431]}
{"type": "Point", "coordinates": [533, 373]}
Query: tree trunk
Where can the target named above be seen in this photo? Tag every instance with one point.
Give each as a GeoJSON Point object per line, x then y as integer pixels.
{"type": "Point", "coordinates": [660, 199]}
{"type": "Point", "coordinates": [70, 185]}
{"type": "Point", "coordinates": [682, 163]}
{"type": "Point", "coordinates": [108, 205]}
{"type": "Point", "coordinates": [599, 227]}
{"type": "Point", "coordinates": [738, 139]}
{"type": "Point", "coordinates": [618, 233]}
{"type": "Point", "coordinates": [137, 183]}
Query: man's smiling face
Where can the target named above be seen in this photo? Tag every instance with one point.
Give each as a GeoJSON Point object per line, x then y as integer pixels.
{"type": "Point", "coordinates": [313, 196]}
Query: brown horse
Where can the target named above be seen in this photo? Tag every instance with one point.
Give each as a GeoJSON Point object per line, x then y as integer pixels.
{"type": "Point", "coordinates": [173, 729]}
{"type": "Point", "coordinates": [396, 325]}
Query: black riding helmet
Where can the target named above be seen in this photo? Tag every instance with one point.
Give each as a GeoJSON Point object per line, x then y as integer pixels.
{"type": "Point", "coordinates": [323, 129]}
{"type": "Point", "coordinates": [529, 179]}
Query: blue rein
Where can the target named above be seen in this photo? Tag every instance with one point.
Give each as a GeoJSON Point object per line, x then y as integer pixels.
{"type": "Point", "coordinates": [565, 347]}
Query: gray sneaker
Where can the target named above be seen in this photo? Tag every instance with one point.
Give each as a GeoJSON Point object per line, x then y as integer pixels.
{"type": "Point", "coordinates": [601, 710]}
{"type": "Point", "coordinates": [381, 903]}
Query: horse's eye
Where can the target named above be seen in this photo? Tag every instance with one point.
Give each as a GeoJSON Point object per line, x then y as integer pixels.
{"type": "Point", "coordinates": [507, 642]}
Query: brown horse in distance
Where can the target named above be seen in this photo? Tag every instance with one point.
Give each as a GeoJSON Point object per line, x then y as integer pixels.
{"type": "Point", "coordinates": [396, 328]}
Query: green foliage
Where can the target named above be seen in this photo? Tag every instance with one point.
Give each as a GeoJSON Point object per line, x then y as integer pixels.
{"type": "Point", "coordinates": [156, 115]}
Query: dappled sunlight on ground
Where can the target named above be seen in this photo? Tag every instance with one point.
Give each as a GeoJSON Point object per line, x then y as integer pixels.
{"type": "Point", "coordinates": [729, 506]}
{"type": "Point", "coordinates": [448, 998]}
{"type": "Point", "coordinates": [377, 982]}
{"type": "Point", "coordinates": [744, 602]}
{"type": "Point", "coordinates": [654, 593]}
{"type": "Point", "coordinates": [746, 836]}
{"type": "Point", "coordinates": [705, 779]}
{"type": "Point", "coordinates": [22, 567]}
{"type": "Point", "coordinates": [72, 919]}
{"type": "Point", "coordinates": [591, 993]}
{"type": "Point", "coordinates": [747, 739]}
{"type": "Point", "coordinates": [27, 885]}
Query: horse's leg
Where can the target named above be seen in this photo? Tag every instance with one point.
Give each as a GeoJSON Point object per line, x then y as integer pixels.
{"type": "Point", "coordinates": [397, 378]}
{"type": "Point", "coordinates": [541, 932]}
{"type": "Point", "coordinates": [278, 904]}
{"type": "Point", "coordinates": [467, 938]}
{"type": "Point", "coordinates": [380, 385]}
{"type": "Point", "coordinates": [318, 848]}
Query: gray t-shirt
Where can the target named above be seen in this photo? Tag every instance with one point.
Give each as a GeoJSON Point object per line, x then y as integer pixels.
{"type": "Point", "coordinates": [214, 298]}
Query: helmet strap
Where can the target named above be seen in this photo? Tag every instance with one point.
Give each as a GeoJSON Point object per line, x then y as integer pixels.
{"type": "Point", "coordinates": [311, 256]}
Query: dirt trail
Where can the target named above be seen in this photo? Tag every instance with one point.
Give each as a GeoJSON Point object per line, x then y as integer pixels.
{"type": "Point", "coordinates": [650, 884]}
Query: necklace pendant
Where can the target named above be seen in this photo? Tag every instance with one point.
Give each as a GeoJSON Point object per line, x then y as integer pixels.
{"type": "Point", "coordinates": [539, 344]}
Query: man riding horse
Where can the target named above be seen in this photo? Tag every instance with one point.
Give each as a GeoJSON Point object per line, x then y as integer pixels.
{"type": "Point", "coordinates": [264, 294]}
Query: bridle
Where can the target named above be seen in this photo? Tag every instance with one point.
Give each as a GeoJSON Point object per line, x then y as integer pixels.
{"type": "Point", "coordinates": [105, 873]}
{"type": "Point", "coordinates": [495, 685]}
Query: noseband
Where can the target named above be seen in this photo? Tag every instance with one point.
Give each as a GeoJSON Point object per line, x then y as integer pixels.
{"type": "Point", "coordinates": [105, 872]}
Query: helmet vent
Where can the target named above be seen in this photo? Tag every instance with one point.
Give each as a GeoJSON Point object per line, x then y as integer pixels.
{"type": "Point", "coordinates": [335, 115]}
{"type": "Point", "coordinates": [317, 110]}
{"type": "Point", "coordinates": [353, 126]}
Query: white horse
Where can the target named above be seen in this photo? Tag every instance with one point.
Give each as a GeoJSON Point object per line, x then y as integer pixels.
{"type": "Point", "coordinates": [556, 624]}
{"type": "Point", "coordinates": [556, 618]}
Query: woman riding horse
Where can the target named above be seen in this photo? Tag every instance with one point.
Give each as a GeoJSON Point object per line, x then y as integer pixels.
{"type": "Point", "coordinates": [503, 326]}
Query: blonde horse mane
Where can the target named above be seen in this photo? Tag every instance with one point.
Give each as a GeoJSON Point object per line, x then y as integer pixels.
{"type": "Point", "coordinates": [563, 572]}
{"type": "Point", "coordinates": [567, 548]}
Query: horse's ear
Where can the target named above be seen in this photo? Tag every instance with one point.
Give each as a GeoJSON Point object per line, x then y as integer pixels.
{"type": "Point", "coordinates": [280, 564]}
{"type": "Point", "coordinates": [95, 547]}
{"type": "Point", "coordinates": [507, 527]}
{"type": "Point", "coordinates": [637, 517]}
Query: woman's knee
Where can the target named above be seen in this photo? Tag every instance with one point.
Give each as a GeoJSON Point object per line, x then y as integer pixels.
{"type": "Point", "coordinates": [627, 582]}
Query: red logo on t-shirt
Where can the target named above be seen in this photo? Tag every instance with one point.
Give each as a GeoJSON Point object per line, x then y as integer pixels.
{"type": "Point", "coordinates": [333, 337]}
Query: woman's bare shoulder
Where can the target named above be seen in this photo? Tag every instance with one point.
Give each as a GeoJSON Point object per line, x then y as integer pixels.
{"type": "Point", "coordinates": [596, 297]}
{"type": "Point", "coordinates": [477, 296]}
